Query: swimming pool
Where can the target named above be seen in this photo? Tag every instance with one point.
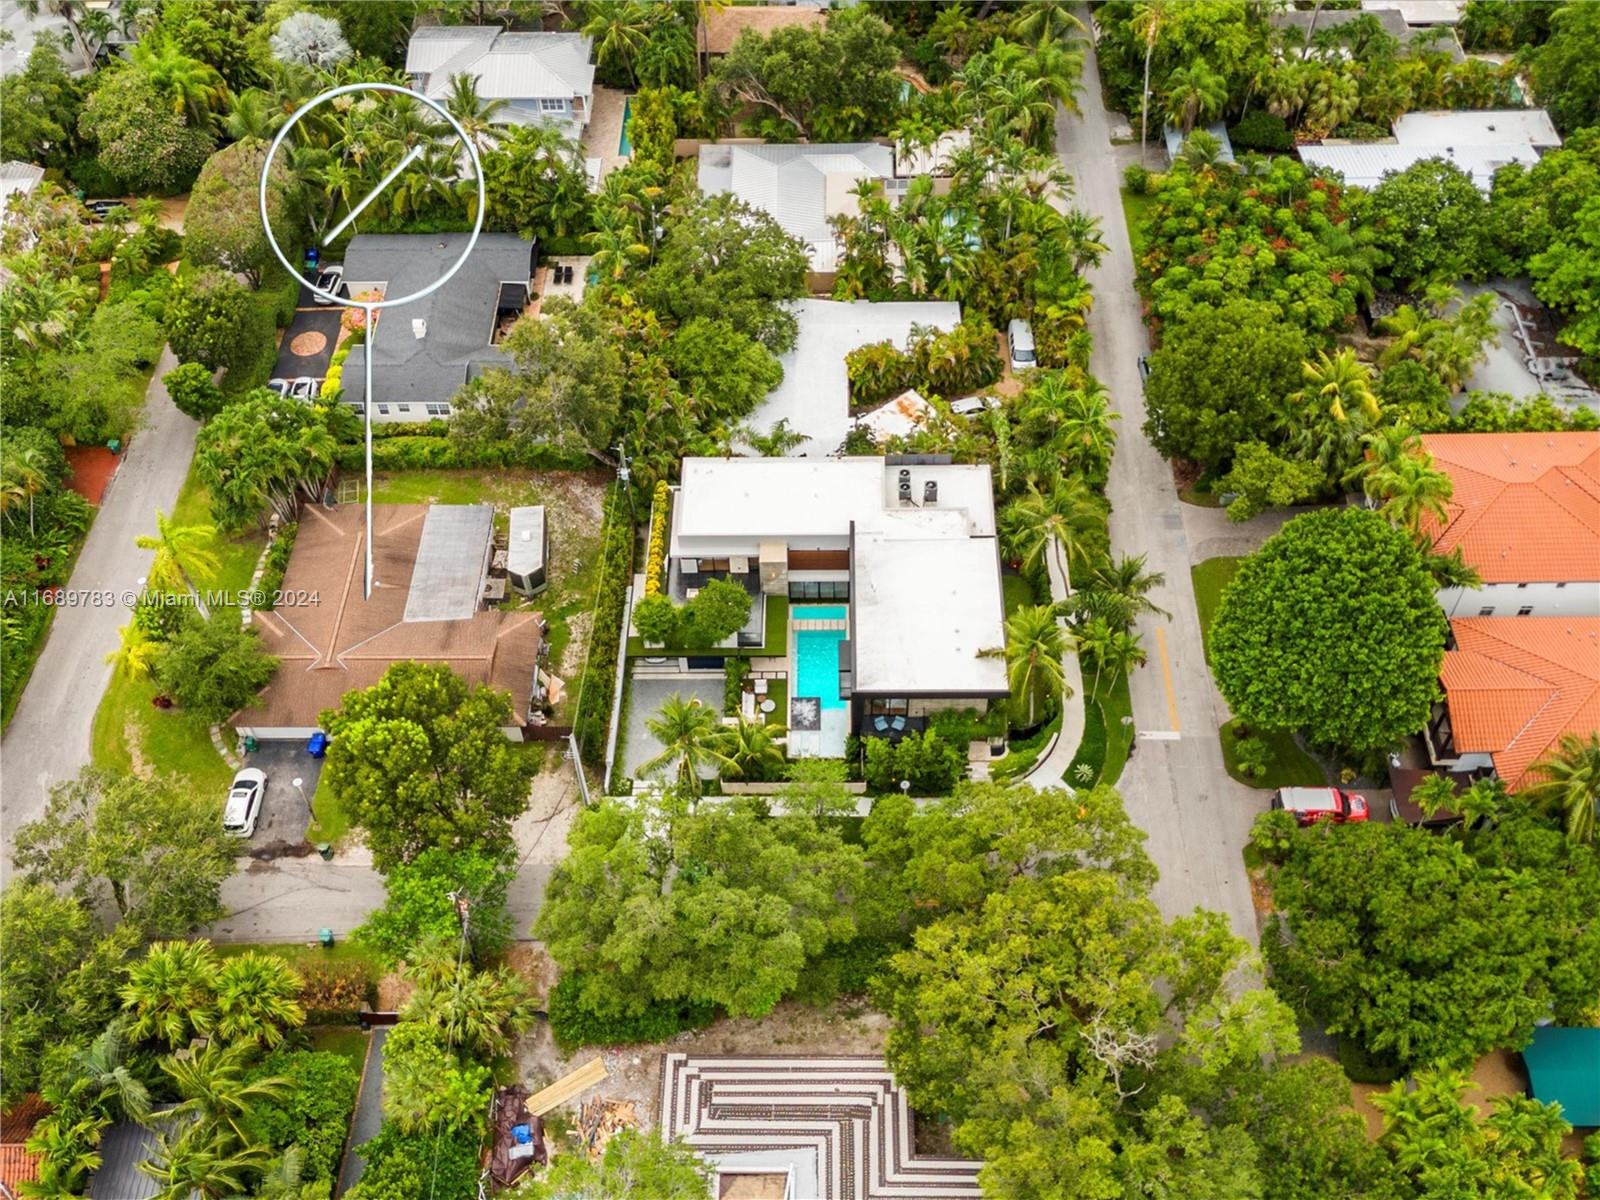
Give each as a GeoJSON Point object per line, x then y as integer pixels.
{"type": "Point", "coordinates": [816, 654]}
{"type": "Point", "coordinates": [625, 147]}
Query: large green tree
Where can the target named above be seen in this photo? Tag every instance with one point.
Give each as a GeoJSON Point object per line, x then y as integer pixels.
{"type": "Point", "coordinates": [215, 668]}
{"type": "Point", "coordinates": [222, 225]}
{"type": "Point", "coordinates": [1567, 276]}
{"type": "Point", "coordinates": [41, 104]}
{"type": "Point", "coordinates": [1219, 378]}
{"type": "Point", "coordinates": [44, 935]}
{"type": "Point", "coordinates": [1430, 222]}
{"type": "Point", "coordinates": [264, 451]}
{"type": "Point", "coordinates": [1424, 948]}
{"type": "Point", "coordinates": [720, 906]}
{"type": "Point", "coordinates": [141, 141]}
{"type": "Point", "coordinates": [725, 261]}
{"type": "Point", "coordinates": [418, 904]}
{"type": "Point", "coordinates": [1566, 69]}
{"type": "Point", "coordinates": [211, 320]}
{"type": "Point", "coordinates": [1332, 629]}
{"type": "Point", "coordinates": [418, 759]}
{"type": "Point", "coordinates": [154, 851]}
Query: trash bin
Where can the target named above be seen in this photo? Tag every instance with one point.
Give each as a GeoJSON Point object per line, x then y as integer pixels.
{"type": "Point", "coordinates": [114, 445]}
{"type": "Point", "coordinates": [251, 745]}
{"type": "Point", "coordinates": [326, 850]}
{"type": "Point", "coordinates": [325, 938]}
{"type": "Point", "coordinates": [318, 745]}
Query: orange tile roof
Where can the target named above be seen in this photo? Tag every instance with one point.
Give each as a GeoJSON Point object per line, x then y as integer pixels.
{"type": "Point", "coordinates": [1526, 507]}
{"type": "Point", "coordinates": [1514, 685]}
{"type": "Point", "coordinates": [18, 1165]}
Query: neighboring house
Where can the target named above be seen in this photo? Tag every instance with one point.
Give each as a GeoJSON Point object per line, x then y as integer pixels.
{"type": "Point", "coordinates": [1512, 688]}
{"type": "Point", "coordinates": [123, 1147]}
{"type": "Point", "coordinates": [542, 77]}
{"type": "Point", "coordinates": [16, 179]}
{"type": "Point", "coordinates": [1419, 14]}
{"type": "Point", "coordinates": [720, 28]}
{"type": "Point", "coordinates": [18, 1164]}
{"type": "Point", "coordinates": [427, 350]}
{"type": "Point", "coordinates": [1480, 143]}
{"type": "Point", "coordinates": [1176, 137]}
{"type": "Point", "coordinates": [899, 558]}
{"type": "Point", "coordinates": [1311, 22]}
{"type": "Point", "coordinates": [432, 574]}
{"type": "Point", "coordinates": [1525, 514]}
{"type": "Point", "coordinates": [802, 187]}
{"type": "Point", "coordinates": [814, 396]}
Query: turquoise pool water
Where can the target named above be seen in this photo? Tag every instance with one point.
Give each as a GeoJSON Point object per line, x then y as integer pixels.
{"type": "Point", "coordinates": [626, 147]}
{"type": "Point", "coordinates": [816, 654]}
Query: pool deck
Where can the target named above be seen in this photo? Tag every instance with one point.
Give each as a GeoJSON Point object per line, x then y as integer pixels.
{"type": "Point", "coordinates": [602, 138]}
{"type": "Point", "coordinates": [828, 740]}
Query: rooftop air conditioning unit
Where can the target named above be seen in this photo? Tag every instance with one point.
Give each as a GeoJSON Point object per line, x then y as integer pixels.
{"type": "Point", "coordinates": [905, 491]}
{"type": "Point", "coordinates": [930, 491]}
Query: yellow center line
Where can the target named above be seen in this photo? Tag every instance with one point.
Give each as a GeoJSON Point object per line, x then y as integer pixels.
{"type": "Point", "coordinates": [1166, 676]}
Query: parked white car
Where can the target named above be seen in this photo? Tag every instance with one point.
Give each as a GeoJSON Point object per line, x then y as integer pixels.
{"type": "Point", "coordinates": [329, 279]}
{"type": "Point", "coordinates": [245, 800]}
{"type": "Point", "coordinates": [966, 406]}
{"type": "Point", "coordinates": [1019, 339]}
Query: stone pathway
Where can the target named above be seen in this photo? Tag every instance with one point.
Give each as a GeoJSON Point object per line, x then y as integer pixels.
{"type": "Point", "coordinates": [844, 1121]}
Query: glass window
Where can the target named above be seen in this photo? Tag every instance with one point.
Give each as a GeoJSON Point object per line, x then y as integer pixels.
{"type": "Point", "coordinates": [548, 105]}
{"type": "Point", "coordinates": [383, 409]}
{"type": "Point", "coordinates": [405, 408]}
{"type": "Point", "coordinates": [1525, 611]}
{"type": "Point", "coordinates": [438, 410]}
{"type": "Point", "coordinates": [1486, 611]}
{"type": "Point", "coordinates": [888, 708]}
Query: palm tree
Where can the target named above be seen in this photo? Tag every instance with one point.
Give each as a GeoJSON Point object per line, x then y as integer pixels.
{"type": "Point", "coordinates": [255, 999]}
{"type": "Point", "coordinates": [197, 92]}
{"type": "Point", "coordinates": [480, 1011]}
{"type": "Point", "coordinates": [689, 733]}
{"type": "Point", "coordinates": [25, 476]}
{"type": "Point", "coordinates": [1328, 419]}
{"type": "Point", "coordinates": [775, 442]}
{"type": "Point", "coordinates": [1033, 651]}
{"type": "Point", "coordinates": [182, 552]}
{"type": "Point", "coordinates": [1110, 647]}
{"type": "Point", "coordinates": [198, 1162]}
{"type": "Point", "coordinates": [477, 115]}
{"type": "Point", "coordinates": [1334, 97]}
{"type": "Point", "coordinates": [66, 1146]}
{"type": "Point", "coordinates": [1148, 20]}
{"type": "Point", "coordinates": [170, 992]}
{"type": "Point", "coordinates": [1069, 518]}
{"type": "Point", "coordinates": [1571, 784]}
{"type": "Point", "coordinates": [44, 308]}
{"type": "Point", "coordinates": [216, 1096]}
{"type": "Point", "coordinates": [1129, 583]}
{"type": "Point", "coordinates": [1083, 233]}
{"type": "Point", "coordinates": [103, 1070]}
{"type": "Point", "coordinates": [283, 1179]}
{"type": "Point", "coordinates": [753, 749]}
{"type": "Point", "coordinates": [254, 117]}
{"type": "Point", "coordinates": [620, 29]}
{"type": "Point", "coordinates": [1045, 23]}
{"type": "Point", "coordinates": [1195, 95]}
{"type": "Point", "coordinates": [1086, 431]}
{"type": "Point", "coordinates": [1451, 571]}
{"type": "Point", "coordinates": [1410, 489]}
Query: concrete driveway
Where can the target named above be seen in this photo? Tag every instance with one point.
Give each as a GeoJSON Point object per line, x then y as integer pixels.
{"type": "Point", "coordinates": [1197, 818]}
{"type": "Point", "coordinates": [287, 814]}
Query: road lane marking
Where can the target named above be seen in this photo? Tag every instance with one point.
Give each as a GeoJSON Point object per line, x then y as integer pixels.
{"type": "Point", "coordinates": [1160, 735]}
{"type": "Point", "coordinates": [1166, 677]}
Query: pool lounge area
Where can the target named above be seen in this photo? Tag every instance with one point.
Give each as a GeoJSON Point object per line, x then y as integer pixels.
{"type": "Point", "coordinates": [819, 719]}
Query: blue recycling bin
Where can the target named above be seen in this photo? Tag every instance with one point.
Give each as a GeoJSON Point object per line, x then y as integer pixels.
{"type": "Point", "coordinates": [318, 745]}
{"type": "Point", "coordinates": [313, 257]}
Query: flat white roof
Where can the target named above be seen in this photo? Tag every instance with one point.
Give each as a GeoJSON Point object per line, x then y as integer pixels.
{"type": "Point", "coordinates": [814, 396]}
{"type": "Point", "coordinates": [1420, 12]}
{"type": "Point", "coordinates": [925, 611]}
{"type": "Point", "coordinates": [1364, 164]}
{"type": "Point", "coordinates": [747, 500]}
{"type": "Point", "coordinates": [1485, 127]}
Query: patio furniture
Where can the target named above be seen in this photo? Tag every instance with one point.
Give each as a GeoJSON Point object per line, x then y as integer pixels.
{"type": "Point", "coordinates": [898, 724]}
{"type": "Point", "coordinates": [761, 687]}
{"type": "Point", "coordinates": [880, 724]}
{"type": "Point", "coordinates": [768, 705]}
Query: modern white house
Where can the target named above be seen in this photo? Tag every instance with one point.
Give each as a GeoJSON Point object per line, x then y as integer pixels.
{"type": "Point", "coordinates": [542, 77]}
{"type": "Point", "coordinates": [891, 569]}
{"type": "Point", "coordinates": [1525, 514]}
{"type": "Point", "coordinates": [1479, 142]}
{"type": "Point", "coordinates": [814, 396]}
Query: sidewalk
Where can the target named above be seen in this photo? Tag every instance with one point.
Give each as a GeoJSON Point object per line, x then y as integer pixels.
{"type": "Point", "coordinates": [1051, 768]}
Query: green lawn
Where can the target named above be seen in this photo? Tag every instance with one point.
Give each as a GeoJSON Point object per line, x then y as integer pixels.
{"type": "Point", "coordinates": [348, 1040]}
{"type": "Point", "coordinates": [573, 505]}
{"type": "Point", "coordinates": [300, 954]}
{"type": "Point", "coordinates": [332, 822]}
{"type": "Point", "coordinates": [778, 689]}
{"type": "Point", "coordinates": [1134, 209]}
{"type": "Point", "coordinates": [1287, 764]}
{"type": "Point", "coordinates": [1016, 592]}
{"type": "Point", "coordinates": [1210, 577]}
{"type": "Point", "coordinates": [1104, 749]}
{"type": "Point", "coordinates": [129, 731]}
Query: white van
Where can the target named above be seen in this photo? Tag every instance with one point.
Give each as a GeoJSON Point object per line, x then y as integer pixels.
{"type": "Point", "coordinates": [1019, 337]}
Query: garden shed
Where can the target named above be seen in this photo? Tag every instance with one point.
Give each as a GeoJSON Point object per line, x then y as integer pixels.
{"type": "Point", "coordinates": [529, 551]}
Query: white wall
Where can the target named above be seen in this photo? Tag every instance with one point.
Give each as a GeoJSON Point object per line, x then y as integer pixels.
{"type": "Point", "coordinates": [414, 411]}
{"type": "Point", "coordinates": [1546, 600]}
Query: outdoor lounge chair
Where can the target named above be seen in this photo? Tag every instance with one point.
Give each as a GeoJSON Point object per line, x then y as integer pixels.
{"type": "Point", "coordinates": [898, 724]}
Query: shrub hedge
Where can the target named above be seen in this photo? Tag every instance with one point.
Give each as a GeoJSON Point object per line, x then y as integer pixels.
{"type": "Point", "coordinates": [600, 673]}
{"type": "Point", "coordinates": [415, 452]}
{"type": "Point", "coordinates": [573, 1026]}
{"type": "Point", "coordinates": [277, 564]}
{"type": "Point", "coordinates": [655, 559]}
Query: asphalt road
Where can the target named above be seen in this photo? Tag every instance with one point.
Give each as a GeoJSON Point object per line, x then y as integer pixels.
{"type": "Point", "coordinates": [48, 738]}
{"type": "Point", "coordinates": [1197, 818]}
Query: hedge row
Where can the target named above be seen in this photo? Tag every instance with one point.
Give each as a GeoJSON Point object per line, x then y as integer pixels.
{"type": "Point", "coordinates": [573, 1026]}
{"type": "Point", "coordinates": [277, 563]}
{"type": "Point", "coordinates": [655, 559]}
{"type": "Point", "coordinates": [600, 673]}
{"type": "Point", "coordinates": [411, 452]}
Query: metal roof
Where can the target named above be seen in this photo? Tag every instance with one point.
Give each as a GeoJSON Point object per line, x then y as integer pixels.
{"type": "Point", "coordinates": [1564, 1068]}
{"type": "Point", "coordinates": [525, 553]}
{"type": "Point", "coordinates": [124, 1146]}
{"type": "Point", "coordinates": [507, 66]}
{"type": "Point", "coordinates": [1364, 164]}
{"type": "Point", "coordinates": [447, 580]}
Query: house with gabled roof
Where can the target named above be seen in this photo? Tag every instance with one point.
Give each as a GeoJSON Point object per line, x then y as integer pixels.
{"type": "Point", "coordinates": [542, 77]}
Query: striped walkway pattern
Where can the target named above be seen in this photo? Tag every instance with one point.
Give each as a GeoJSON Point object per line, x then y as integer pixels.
{"type": "Point", "coordinates": [819, 623]}
{"type": "Point", "coordinates": [848, 1110]}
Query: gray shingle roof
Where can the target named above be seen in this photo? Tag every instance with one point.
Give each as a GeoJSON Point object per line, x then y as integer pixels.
{"type": "Point", "coordinates": [459, 316]}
